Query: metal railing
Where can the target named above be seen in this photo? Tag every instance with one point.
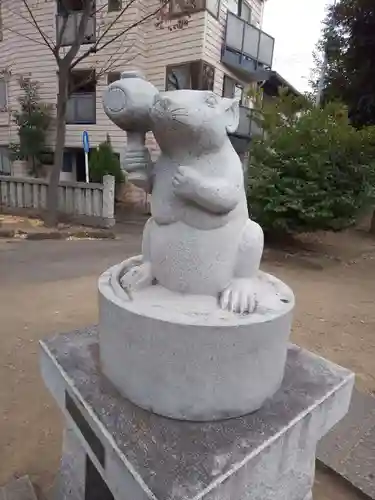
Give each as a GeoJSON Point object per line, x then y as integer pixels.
{"type": "Point", "coordinates": [70, 26]}
{"type": "Point", "coordinates": [249, 40]}
{"type": "Point", "coordinates": [247, 47]}
{"type": "Point", "coordinates": [81, 108]}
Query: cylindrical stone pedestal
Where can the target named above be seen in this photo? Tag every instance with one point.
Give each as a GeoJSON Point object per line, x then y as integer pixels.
{"type": "Point", "coordinates": [181, 356]}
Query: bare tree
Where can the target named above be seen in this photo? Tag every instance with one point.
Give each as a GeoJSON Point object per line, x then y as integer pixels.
{"type": "Point", "coordinates": [107, 32]}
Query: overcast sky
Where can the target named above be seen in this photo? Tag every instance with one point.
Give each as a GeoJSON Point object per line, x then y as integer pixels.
{"type": "Point", "coordinates": [296, 26]}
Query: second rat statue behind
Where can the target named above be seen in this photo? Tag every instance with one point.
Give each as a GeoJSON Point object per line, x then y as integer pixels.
{"type": "Point", "coordinates": [199, 239]}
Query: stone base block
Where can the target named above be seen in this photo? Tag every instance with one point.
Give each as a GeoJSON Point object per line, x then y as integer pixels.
{"type": "Point", "coordinates": [118, 451]}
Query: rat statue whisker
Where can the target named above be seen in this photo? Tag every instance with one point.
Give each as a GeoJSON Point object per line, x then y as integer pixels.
{"type": "Point", "coordinates": [178, 114]}
{"type": "Point", "coordinates": [174, 119]}
{"type": "Point", "coordinates": [173, 110]}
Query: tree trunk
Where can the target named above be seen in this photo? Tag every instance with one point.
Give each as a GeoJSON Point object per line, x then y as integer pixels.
{"type": "Point", "coordinates": [53, 186]}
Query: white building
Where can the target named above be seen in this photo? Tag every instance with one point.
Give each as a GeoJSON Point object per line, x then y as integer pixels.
{"type": "Point", "coordinates": [219, 45]}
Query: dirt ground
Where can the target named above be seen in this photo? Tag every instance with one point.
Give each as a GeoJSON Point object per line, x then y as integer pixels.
{"type": "Point", "coordinates": [50, 286]}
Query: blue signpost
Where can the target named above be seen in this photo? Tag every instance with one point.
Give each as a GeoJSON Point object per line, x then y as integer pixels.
{"type": "Point", "coordinates": [86, 149]}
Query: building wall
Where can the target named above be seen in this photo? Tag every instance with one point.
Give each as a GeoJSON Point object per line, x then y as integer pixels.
{"type": "Point", "coordinates": [124, 53]}
{"type": "Point", "coordinates": [148, 47]}
{"type": "Point", "coordinates": [23, 53]}
{"type": "Point", "coordinates": [166, 47]}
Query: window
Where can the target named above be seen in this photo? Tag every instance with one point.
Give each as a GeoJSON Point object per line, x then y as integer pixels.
{"type": "Point", "coordinates": [82, 81]}
{"type": "Point", "coordinates": [67, 165]}
{"type": "Point", "coordinates": [81, 105]}
{"type": "Point", "coordinates": [233, 89]}
{"type": "Point", "coordinates": [64, 6]}
{"type": "Point", "coordinates": [114, 5]}
{"type": "Point", "coordinates": [245, 12]}
{"type": "Point", "coordinates": [233, 6]}
{"type": "Point", "coordinates": [196, 75]}
{"type": "Point", "coordinates": [1, 24]}
{"type": "Point", "coordinates": [213, 7]}
{"type": "Point", "coordinates": [47, 158]}
{"type": "Point", "coordinates": [113, 77]}
{"type": "Point", "coordinates": [68, 21]}
{"type": "Point", "coordinates": [3, 94]}
{"type": "Point", "coordinates": [182, 7]}
{"type": "Point", "coordinates": [241, 9]}
{"type": "Point", "coordinates": [5, 165]}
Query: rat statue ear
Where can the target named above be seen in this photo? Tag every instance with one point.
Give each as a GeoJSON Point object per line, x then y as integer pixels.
{"type": "Point", "coordinates": [232, 114]}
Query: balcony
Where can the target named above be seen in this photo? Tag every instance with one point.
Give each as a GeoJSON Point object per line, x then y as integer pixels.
{"type": "Point", "coordinates": [81, 109]}
{"type": "Point", "coordinates": [247, 50]}
{"type": "Point", "coordinates": [71, 28]}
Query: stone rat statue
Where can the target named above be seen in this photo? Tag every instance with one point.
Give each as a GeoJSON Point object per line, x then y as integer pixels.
{"type": "Point", "coordinates": [199, 239]}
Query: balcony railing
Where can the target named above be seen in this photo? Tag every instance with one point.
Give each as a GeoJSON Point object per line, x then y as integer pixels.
{"type": "Point", "coordinates": [81, 108]}
{"type": "Point", "coordinates": [247, 49]}
{"type": "Point", "coordinates": [71, 28]}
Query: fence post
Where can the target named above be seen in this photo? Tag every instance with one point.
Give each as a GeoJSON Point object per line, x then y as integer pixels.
{"type": "Point", "coordinates": [108, 211]}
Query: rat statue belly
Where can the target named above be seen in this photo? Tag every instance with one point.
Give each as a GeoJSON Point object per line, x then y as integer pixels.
{"type": "Point", "coordinates": [177, 248]}
{"type": "Point", "coordinates": [199, 239]}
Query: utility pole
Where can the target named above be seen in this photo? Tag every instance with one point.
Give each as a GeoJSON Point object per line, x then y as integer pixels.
{"type": "Point", "coordinates": [323, 73]}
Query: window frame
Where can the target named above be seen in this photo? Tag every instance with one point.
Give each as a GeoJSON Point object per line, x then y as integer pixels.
{"type": "Point", "coordinates": [61, 9]}
{"type": "Point", "coordinates": [235, 84]}
{"type": "Point", "coordinates": [117, 73]}
{"type": "Point", "coordinates": [68, 166]}
{"type": "Point", "coordinates": [193, 10]}
{"type": "Point", "coordinates": [199, 77]}
{"type": "Point", "coordinates": [114, 7]}
{"type": "Point", "coordinates": [237, 2]}
{"type": "Point", "coordinates": [241, 3]}
{"type": "Point", "coordinates": [1, 22]}
{"type": "Point", "coordinates": [238, 10]}
{"type": "Point", "coordinates": [171, 14]}
{"type": "Point", "coordinates": [217, 14]}
{"type": "Point", "coordinates": [3, 81]}
{"type": "Point", "coordinates": [4, 151]}
{"type": "Point", "coordinates": [79, 90]}
{"type": "Point", "coordinates": [93, 81]}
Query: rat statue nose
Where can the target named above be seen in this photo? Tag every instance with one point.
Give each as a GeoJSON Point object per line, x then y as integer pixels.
{"type": "Point", "coordinates": [166, 103]}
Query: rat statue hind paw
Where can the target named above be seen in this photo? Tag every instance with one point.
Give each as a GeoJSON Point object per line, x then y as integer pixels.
{"type": "Point", "coordinates": [239, 297]}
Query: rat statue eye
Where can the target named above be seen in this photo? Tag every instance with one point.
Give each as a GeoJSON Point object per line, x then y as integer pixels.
{"type": "Point", "coordinates": [211, 101]}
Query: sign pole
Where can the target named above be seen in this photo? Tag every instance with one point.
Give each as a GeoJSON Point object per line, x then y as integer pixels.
{"type": "Point", "coordinates": [87, 166]}
{"type": "Point", "coordinates": [86, 148]}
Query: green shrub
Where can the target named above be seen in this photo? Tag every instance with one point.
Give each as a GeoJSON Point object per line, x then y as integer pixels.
{"type": "Point", "coordinates": [104, 161]}
{"type": "Point", "coordinates": [312, 170]}
{"type": "Point", "coordinates": [33, 120]}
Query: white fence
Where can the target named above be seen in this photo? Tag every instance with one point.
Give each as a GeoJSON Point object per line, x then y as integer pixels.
{"type": "Point", "coordinates": [91, 204]}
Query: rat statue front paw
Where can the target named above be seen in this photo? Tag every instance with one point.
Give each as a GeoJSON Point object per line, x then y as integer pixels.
{"type": "Point", "coordinates": [137, 277]}
{"type": "Point", "coordinates": [239, 297]}
{"type": "Point", "coordinates": [185, 181]}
